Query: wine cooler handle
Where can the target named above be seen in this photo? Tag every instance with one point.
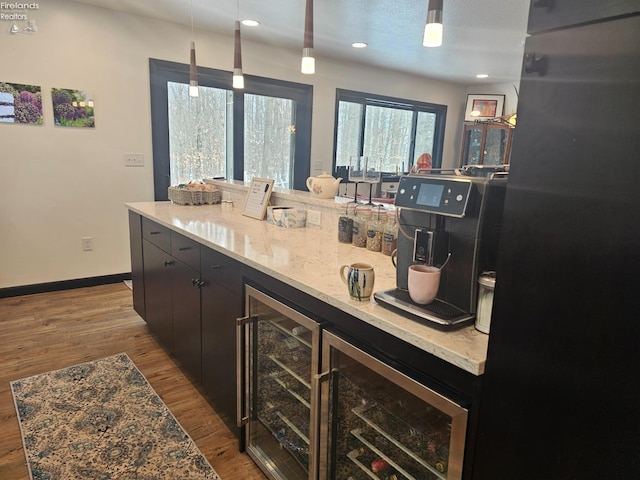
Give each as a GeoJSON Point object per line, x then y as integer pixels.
{"type": "Point", "coordinates": [241, 370]}
{"type": "Point", "coordinates": [316, 392]}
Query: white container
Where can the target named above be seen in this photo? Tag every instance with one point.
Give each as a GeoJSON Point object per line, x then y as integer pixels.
{"type": "Point", "coordinates": [487, 283]}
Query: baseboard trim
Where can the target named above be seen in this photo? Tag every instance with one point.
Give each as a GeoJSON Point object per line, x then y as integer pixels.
{"type": "Point", "coordinates": [63, 285]}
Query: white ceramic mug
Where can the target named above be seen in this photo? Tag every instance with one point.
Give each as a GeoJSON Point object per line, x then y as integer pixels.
{"type": "Point", "coordinates": [359, 279]}
{"type": "Point", "coordinates": [424, 282]}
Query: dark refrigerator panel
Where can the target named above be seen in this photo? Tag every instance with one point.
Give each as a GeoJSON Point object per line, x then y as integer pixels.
{"type": "Point", "coordinates": [561, 391]}
{"type": "Point", "coordinates": [552, 14]}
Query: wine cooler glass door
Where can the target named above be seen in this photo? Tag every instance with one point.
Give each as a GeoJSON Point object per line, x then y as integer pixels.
{"type": "Point", "coordinates": [282, 357]}
{"type": "Point", "coordinates": [382, 424]}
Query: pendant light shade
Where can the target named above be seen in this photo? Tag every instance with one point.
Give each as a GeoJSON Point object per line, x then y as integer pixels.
{"type": "Point", "coordinates": [238, 78]}
{"type": "Point", "coordinates": [193, 75]}
{"type": "Point", "coordinates": [433, 27]}
{"type": "Point", "coordinates": [308, 62]}
{"type": "Point", "coordinates": [193, 71]}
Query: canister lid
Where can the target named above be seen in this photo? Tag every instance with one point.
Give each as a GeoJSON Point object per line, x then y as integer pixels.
{"type": "Point", "coordinates": [488, 279]}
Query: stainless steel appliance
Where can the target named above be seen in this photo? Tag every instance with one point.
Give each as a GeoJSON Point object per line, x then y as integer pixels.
{"type": "Point", "coordinates": [360, 418]}
{"type": "Point", "coordinates": [379, 423]}
{"type": "Point", "coordinates": [446, 217]}
{"type": "Point", "coordinates": [277, 359]}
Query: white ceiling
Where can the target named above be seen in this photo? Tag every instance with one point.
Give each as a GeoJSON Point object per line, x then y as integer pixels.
{"type": "Point", "coordinates": [480, 36]}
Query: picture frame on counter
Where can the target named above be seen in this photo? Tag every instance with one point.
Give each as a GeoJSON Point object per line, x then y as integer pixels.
{"type": "Point", "coordinates": [257, 199]}
{"type": "Point", "coordinates": [483, 107]}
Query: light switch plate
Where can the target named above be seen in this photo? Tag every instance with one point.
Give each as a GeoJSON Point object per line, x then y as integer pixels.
{"type": "Point", "coordinates": [133, 159]}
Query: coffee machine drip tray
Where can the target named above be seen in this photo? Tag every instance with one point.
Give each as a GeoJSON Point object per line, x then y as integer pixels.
{"type": "Point", "coordinates": [437, 314]}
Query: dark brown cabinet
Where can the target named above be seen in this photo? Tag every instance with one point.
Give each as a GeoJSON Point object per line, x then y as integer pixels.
{"type": "Point", "coordinates": [190, 296]}
{"type": "Point", "coordinates": [158, 293]}
{"type": "Point", "coordinates": [221, 305]}
{"type": "Point", "coordinates": [562, 357]}
{"type": "Point", "coordinates": [486, 144]}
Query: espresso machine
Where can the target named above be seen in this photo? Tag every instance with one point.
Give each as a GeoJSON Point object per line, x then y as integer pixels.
{"type": "Point", "coordinates": [451, 222]}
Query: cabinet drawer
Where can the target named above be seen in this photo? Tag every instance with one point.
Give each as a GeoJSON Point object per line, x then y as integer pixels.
{"type": "Point", "coordinates": [157, 234]}
{"type": "Point", "coordinates": [221, 269]}
{"type": "Point", "coordinates": [185, 250]}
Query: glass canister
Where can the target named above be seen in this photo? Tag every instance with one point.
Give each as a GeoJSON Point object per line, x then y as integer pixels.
{"type": "Point", "coordinates": [390, 235]}
{"type": "Point", "coordinates": [345, 226]}
{"type": "Point", "coordinates": [487, 282]}
{"type": "Point", "coordinates": [361, 217]}
{"type": "Point", "coordinates": [375, 230]}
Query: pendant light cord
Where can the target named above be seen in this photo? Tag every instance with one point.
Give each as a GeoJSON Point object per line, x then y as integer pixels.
{"type": "Point", "coordinates": [191, 19]}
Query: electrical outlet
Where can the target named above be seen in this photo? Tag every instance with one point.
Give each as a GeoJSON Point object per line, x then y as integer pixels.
{"type": "Point", "coordinates": [313, 217]}
{"type": "Point", "coordinates": [133, 159]}
{"type": "Point", "coordinates": [87, 244]}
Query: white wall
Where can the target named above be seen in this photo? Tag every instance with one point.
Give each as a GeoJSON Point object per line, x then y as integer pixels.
{"type": "Point", "coordinates": [62, 184]}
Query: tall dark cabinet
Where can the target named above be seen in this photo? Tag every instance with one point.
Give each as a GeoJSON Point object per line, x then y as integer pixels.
{"type": "Point", "coordinates": [561, 393]}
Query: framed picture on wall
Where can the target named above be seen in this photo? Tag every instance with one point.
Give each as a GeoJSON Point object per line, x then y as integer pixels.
{"type": "Point", "coordinates": [483, 107]}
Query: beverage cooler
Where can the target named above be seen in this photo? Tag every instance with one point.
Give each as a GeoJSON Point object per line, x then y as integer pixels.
{"type": "Point", "coordinates": [315, 406]}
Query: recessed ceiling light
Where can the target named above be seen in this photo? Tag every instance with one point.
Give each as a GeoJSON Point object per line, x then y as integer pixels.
{"type": "Point", "coordinates": [250, 23]}
{"type": "Point", "coordinates": [359, 45]}
{"type": "Point", "coordinates": [482, 75]}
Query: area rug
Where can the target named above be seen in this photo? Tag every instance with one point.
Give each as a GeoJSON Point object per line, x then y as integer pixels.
{"type": "Point", "coordinates": [102, 420]}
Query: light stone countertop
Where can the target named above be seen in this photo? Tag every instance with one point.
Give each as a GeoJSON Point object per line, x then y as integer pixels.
{"type": "Point", "coordinates": [309, 259]}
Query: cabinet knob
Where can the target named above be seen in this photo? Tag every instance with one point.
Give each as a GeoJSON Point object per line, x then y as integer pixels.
{"type": "Point", "coordinates": [533, 63]}
{"type": "Point", "coordinates": [201, 283]}
{"type": "Point", "coordinates": [194, 281]}
{"type": "Point", "coordinates": [168, 263]}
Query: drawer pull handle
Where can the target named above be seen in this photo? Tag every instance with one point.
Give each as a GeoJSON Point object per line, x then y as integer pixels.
{"type": "Point", "coordinates": [182, 249]}
{"type": "Point", "coordinates": [215, 267]}
{"type": "Point", "coordinates": [155, 233]}
{"type": "Point", "coordinates": [168, 263]}
{"type": "Point", "coordinates": [194, 281]}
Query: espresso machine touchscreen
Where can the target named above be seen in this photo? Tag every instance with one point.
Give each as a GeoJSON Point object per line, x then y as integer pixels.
{"type": "Point", "coordinates": [451, 223]}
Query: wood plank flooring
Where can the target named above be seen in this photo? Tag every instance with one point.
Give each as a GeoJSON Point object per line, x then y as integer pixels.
{"type": "Point", "coordinates": [48, 331]}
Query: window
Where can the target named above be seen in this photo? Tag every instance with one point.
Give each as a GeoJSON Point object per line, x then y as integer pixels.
{"type": "Point", "coordinates": [261, 131]}
{"type": "Point", "coordinates": [393, 131]}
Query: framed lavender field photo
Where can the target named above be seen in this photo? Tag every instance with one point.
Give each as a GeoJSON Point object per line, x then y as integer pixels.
{"type": "Point", "coordinates": [72, 108]}
{"type": "Point", "coordinates": [20, 103]}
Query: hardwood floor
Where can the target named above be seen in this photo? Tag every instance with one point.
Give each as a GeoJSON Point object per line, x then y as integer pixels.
{"type": "Point", "coordinates": [48, 331]}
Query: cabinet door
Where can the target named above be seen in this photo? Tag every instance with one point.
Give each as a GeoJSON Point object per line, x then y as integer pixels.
{"type": "Point", "coordinates": [186, 318]}
{"type": "Point", "coordinates": [472, 146]}
{"type": "Point", "coordinates": [221, 305]}
{"type": "Point", "coordinates": [137, 264]}
{"type": "Point", "coordinates": [497, 143]}
{"type": "Point", "coordinates": [157, 293]}
{"type": "Point", "coordinates": [220, 308]}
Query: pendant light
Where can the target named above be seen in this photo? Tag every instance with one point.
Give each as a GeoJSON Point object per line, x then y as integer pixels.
{"type": "Point", "coordinates": [433, 27]}
{"type": "Point", "coordinates": [308, 62]}
{"type": "Point", "coordinates": [238, 78]}
{"type": "Point", "coordinates": [193, 74]}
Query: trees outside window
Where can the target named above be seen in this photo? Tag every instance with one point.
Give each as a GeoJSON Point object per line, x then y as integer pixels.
{"type": "Point", "coordinates": [394, 132]}
{"type": "Point", "coordinates": [261, 131]}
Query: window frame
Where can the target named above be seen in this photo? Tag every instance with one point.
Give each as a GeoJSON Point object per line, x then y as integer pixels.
{"type": "Point", "coordinates": [163, 71]}
{"type": "Point", "coordinates": [371, 99]}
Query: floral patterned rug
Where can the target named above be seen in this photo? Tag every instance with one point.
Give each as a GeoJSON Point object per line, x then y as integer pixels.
{"type": "Point", "coordinates": [102, 420]}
